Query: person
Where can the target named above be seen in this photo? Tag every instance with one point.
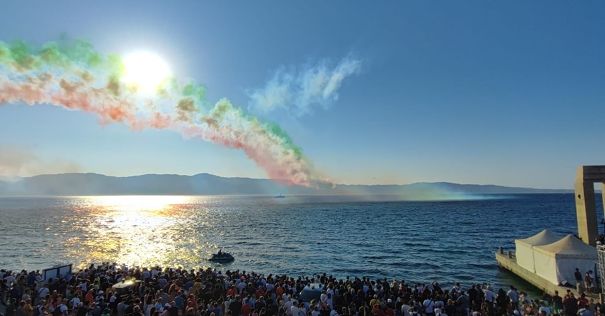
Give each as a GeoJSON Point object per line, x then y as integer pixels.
{"type": "Point", "coordinates": [462, 304]}
{"type": "Point", "coordinates": [429, 307]}
{"type": "Point", "coordinates": [11, 307]}
{"type": "Point", "coordinates": [513, 295]}
{"type": "Point", "coordinates": [502, 302]}
{"type": "Point", "coordinates": [585, 312]}
{"type": "Point", "coordinates": [489, 298]}
{"type": "Point", "coordinates": [598, 308]}
{"type": "Point", "coordinates": [557, 304]}
{"type": "Point", "coordinates": [405, 308]}
{"type": "Point", "coordinates": [570, 304]}
{"type": "Point", "coordinates": [28, 309]}
{"type": "Point", "coordinates": [578, 277]}
{"type": "Point", "coordinates": [587, 282]}
{"type": "Point", "coordinates": [544, 309]}
{"type": "Point", "coordinates": [582, 301]}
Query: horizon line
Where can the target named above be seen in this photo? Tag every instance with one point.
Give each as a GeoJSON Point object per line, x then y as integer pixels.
{"type": "Point", "coordinates": [16, 178]}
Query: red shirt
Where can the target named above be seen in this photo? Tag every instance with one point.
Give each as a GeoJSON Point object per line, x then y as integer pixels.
{"type": "Point", "coordinates": [582, 302]}
{"type": "Point", "coordinates": [246, 310]}
{"type": "Point", "coordinates": [89, 297]}
{"type": "Point", "coordinates": [377, 311]}
{"type": "Point", "coordinates": [231, 291]}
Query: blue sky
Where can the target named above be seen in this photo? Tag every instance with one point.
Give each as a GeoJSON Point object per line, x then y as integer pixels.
{"type": "Point", "coordinates": [503, 92]}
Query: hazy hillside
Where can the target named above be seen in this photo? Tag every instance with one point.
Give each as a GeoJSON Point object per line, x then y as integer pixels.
{"type": "Point", "coordinates": [207, 184]}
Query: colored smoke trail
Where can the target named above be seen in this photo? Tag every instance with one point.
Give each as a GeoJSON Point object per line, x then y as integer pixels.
{"type": "Point", "coordinates": [71, 74]}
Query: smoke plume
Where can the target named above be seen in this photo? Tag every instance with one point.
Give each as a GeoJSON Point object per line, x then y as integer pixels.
{"type": "Point", "coordinates": [16, 161]}
{"type": "Point", "coordinates": [299, 89]}
{"type": "Point", "coordinates": [72, 75]}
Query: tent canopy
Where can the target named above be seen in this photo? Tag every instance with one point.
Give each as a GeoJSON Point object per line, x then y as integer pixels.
{"type": "Point", "coordinates": [524, 248]}
{"type": "Point", "coordinates": [568, 247]}
{"type": "Point", "coordinates": [542, 238]}
{"type": "Point", "coordinates": [557, 261]}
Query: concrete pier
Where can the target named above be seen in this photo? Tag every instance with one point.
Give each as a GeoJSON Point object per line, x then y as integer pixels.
{"type": "Point", "coordinates": [586, 177]}
{"type": "Point", "coordinates": [510, 263]}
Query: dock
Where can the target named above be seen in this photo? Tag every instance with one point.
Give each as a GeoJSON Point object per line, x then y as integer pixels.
{"type": "Point", "coordinates": [508, 261]}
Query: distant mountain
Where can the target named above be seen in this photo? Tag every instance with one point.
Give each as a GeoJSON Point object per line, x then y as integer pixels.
{"type": "Point", "coordinates": [207, 184]}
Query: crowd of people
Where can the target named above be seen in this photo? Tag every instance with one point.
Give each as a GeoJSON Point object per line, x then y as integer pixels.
{"type": "Point", "coordinates": [111, 289]}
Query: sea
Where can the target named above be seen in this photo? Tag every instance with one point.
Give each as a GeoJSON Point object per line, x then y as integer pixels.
{"type": "Point", "coordinates": [422, 241]}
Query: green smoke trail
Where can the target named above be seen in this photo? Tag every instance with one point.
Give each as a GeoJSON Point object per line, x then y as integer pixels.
{"type": "Point", "coordinates": [73, 75]}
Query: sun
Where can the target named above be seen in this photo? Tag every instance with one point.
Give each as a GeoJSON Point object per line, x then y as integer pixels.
{"type": "Point", "coordinates": [145, 71]}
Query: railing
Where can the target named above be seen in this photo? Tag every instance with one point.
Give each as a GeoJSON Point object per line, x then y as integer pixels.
{"type": "Point", "coordinates": [509, 253]}
{"type": "Point", "coordinates": [600, 265]}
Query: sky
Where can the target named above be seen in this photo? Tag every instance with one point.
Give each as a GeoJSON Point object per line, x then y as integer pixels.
{"type": "Point", "coordinates": [487, 92]}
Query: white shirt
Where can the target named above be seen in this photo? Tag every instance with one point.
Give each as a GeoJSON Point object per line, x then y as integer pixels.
{"type": "Point", "coordinates": [288, 306]}
{"type": "Point", "coordinates": [489, 295]}
{"type": "Point", "coordinates": [148, 309]}
{"type": "Point", "coordinates": [513, 295]}
{"type": "Point", "coordinates": [429, 306]}
{"type": "Point", "coordinates": [440, 305]}
{"type": "Point", "coordinates": [323, 298]}
{"type": "Point", "coordinates": [269, 287]}
{"type": "Point", "coordinates": [294, 310]}
{"type": "Point", "coordinates": [63, 308]}
{"type": "Point", "coordinates": [75, 302]}
{"type": "Point", "coordinates": [585, 312]}
{"type": "Point", "coordinates": [405, 310]}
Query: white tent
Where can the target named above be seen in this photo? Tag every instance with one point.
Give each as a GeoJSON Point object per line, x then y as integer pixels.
{"type": "Point", "coordinates": [558, 261]}
{"type": "Point", "coordinates": [524, 247]}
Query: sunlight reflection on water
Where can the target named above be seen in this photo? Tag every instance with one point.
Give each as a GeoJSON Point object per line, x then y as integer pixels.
{"type": "Point", "coordinates": [135, 230]}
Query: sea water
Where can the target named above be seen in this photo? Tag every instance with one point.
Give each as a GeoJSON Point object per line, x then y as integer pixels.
{"type": "Point", "coordinates": [444, 241]}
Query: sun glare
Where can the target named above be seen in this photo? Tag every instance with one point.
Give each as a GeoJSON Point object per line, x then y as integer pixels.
{"type": "Point", "coordinates": [138, 203]}
{"type": "Point", "coordinates": [145, 71]}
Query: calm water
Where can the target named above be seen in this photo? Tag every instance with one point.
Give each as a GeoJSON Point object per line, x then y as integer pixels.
{"type": "Point", "coordinates": [422, 241]}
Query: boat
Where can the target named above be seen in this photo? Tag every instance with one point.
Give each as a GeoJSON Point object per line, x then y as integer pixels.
{"type": "Point", "coordinates": [222, 257]}
{"type": "Point", "coordinates": [281, 196]}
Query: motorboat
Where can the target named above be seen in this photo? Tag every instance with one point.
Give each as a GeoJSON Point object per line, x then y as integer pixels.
{"type": "Point", "coordinates": [222, 257]}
